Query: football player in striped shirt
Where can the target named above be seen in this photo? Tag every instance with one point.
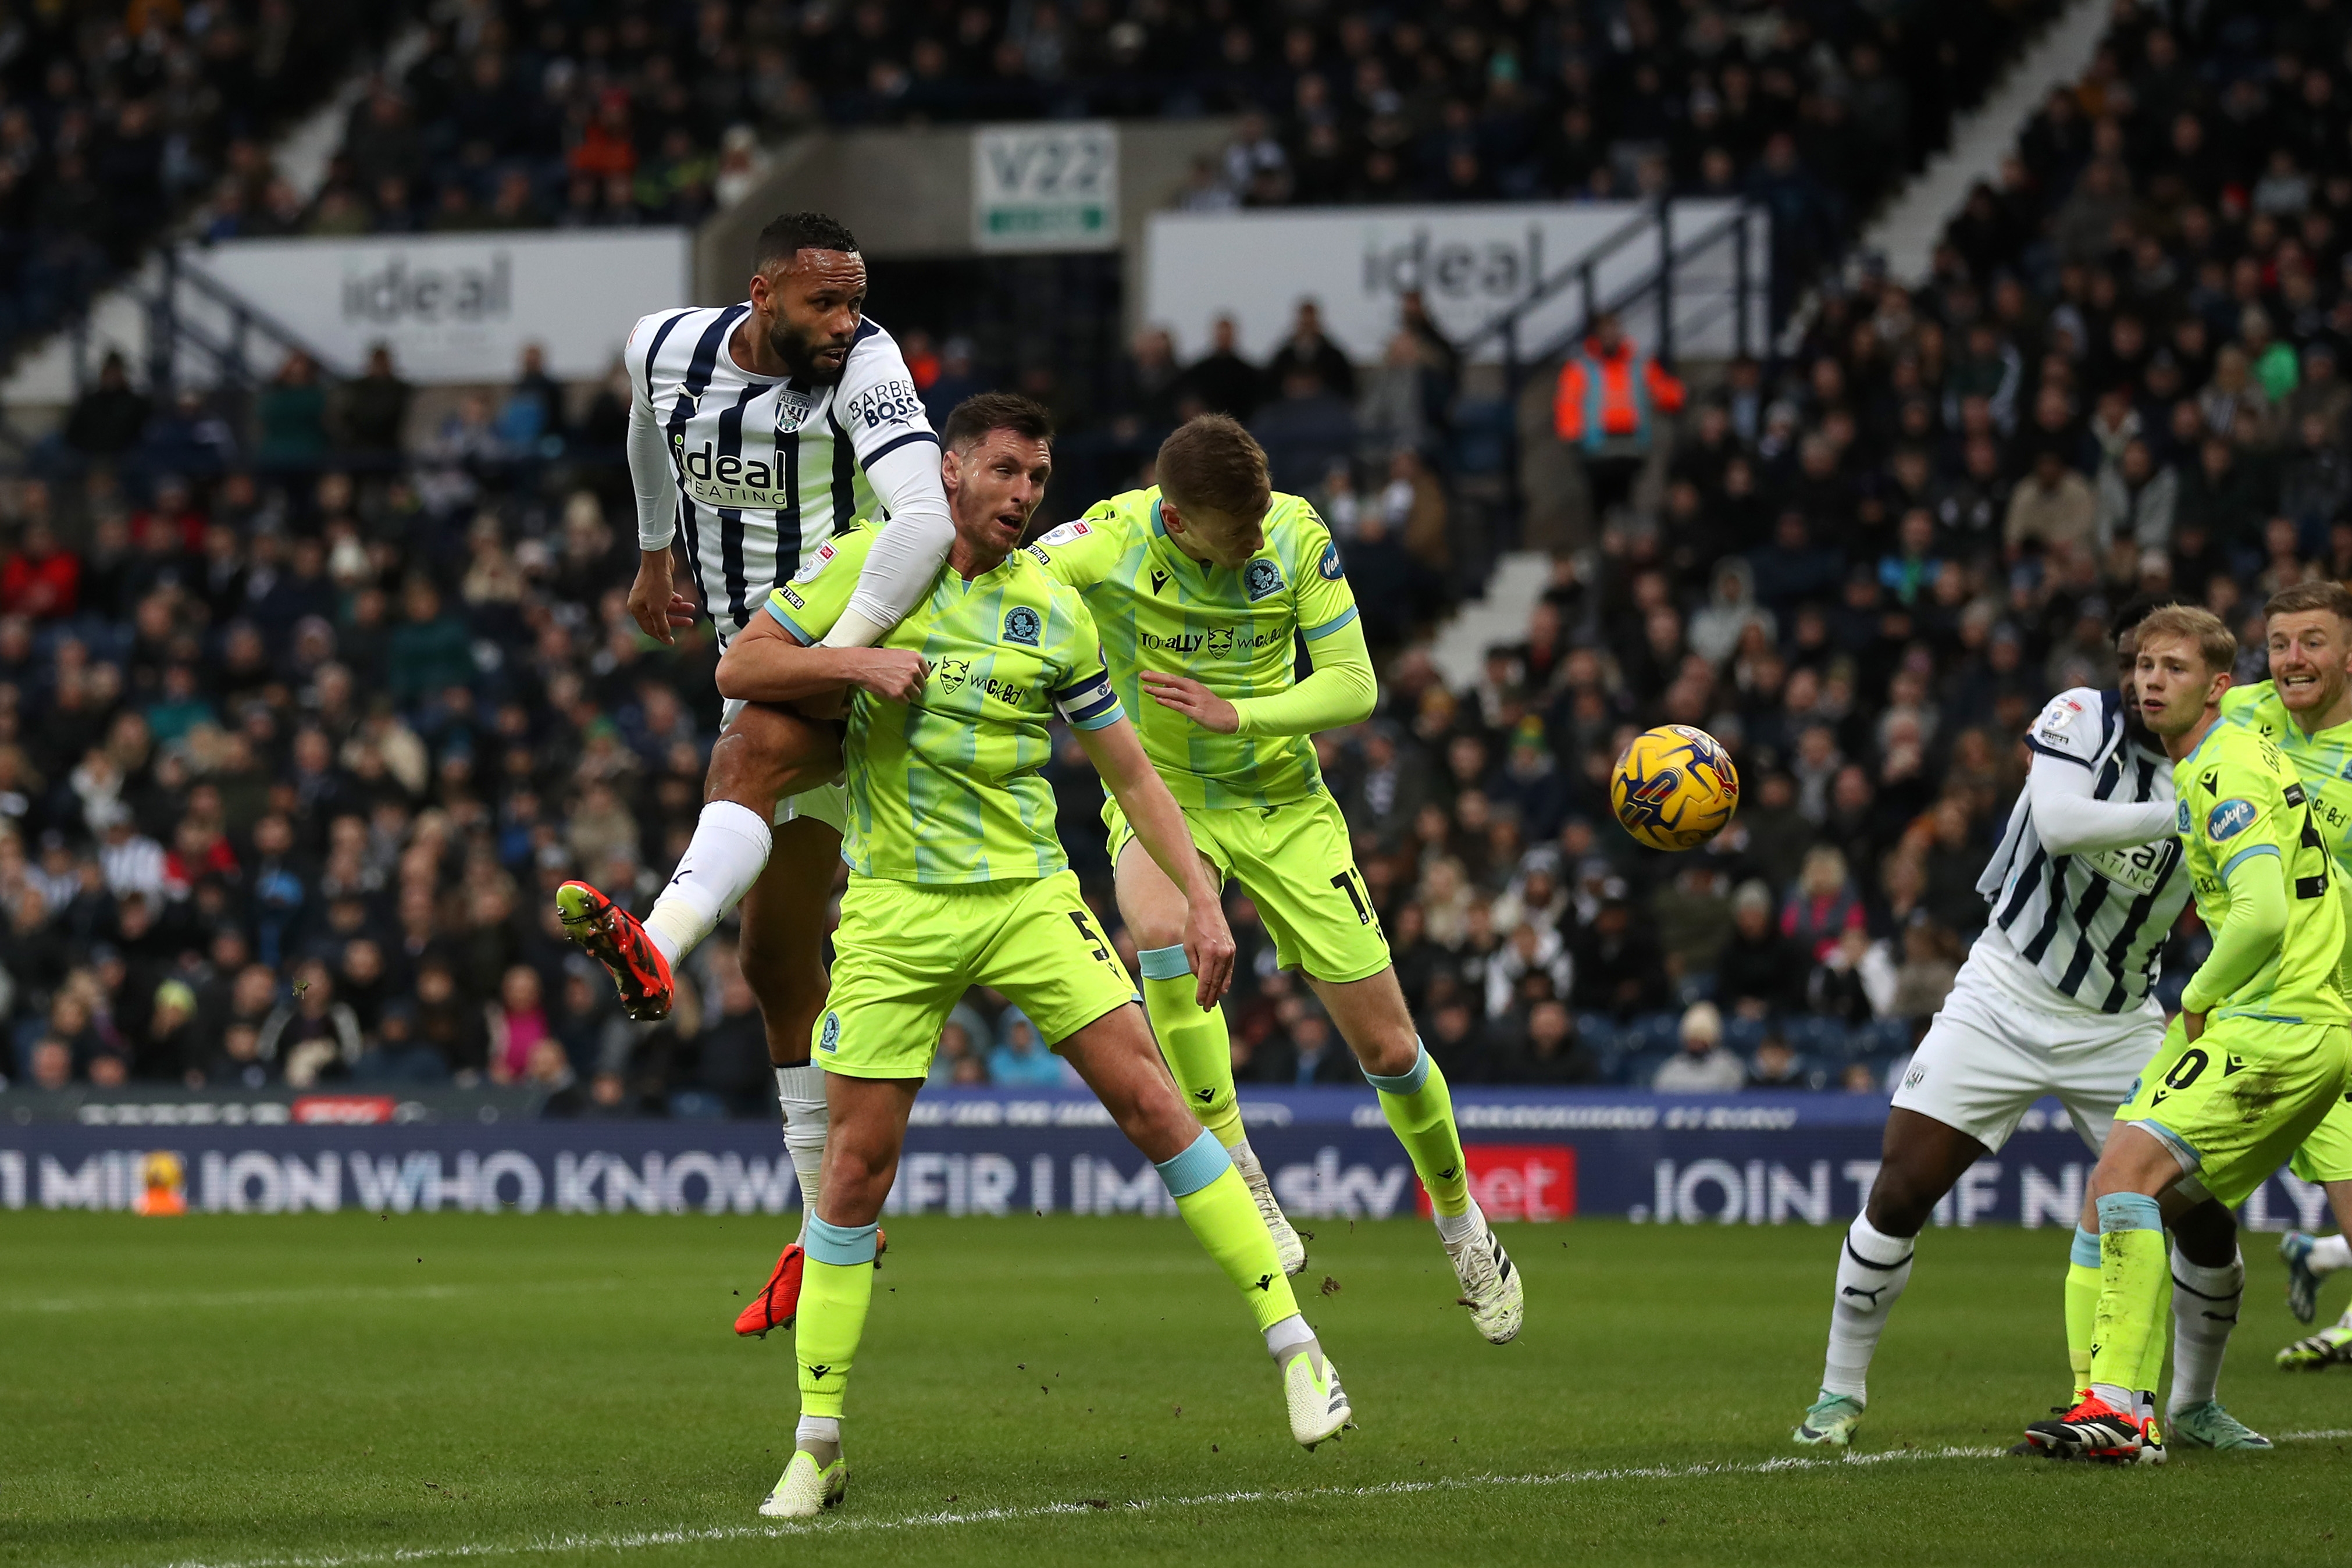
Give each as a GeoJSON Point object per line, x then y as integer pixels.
{"type": "Point", "coordinates": [758, 432]}
{"type": "Point", "coordinates": [2055, 999]}
{"type": "Point", "coordinates": [958, 879]}
{"type": "Point", "coordinates": [2305, 708]}
{"type": "Point", "coordinates": [1203, 586]}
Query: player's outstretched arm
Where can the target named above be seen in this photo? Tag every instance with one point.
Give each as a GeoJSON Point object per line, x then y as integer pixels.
{"type": "Point", "coordinates": [1158, 825]}
{"type": "Point", "coordinates": [1339, 691]}
{"type": "Point", "coordinates": [2069, 819]}
{"type": "Point", "coordinates": [766, 663]}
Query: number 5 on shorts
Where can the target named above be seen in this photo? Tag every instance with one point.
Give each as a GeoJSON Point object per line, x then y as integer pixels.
{"type": "Point", "coordinates": [1087, 934]}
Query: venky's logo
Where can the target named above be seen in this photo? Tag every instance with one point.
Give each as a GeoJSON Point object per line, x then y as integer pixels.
{"type": "Point", "coordinates": [953, 673]}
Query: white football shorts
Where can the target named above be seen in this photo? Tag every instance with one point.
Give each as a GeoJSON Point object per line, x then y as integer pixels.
{"type": "Point", "coordinates": [2004, 1038]}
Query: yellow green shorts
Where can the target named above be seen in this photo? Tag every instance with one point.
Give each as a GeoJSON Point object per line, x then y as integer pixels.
{"type": "Point", "coordinates": [908, 952]}
{"type": "Point", "coordinates": [2326, 1154]}
{"type": "Point", "coordinates": [1294, 862]}
{"type": "Point", "coordinates": [2236, 1104]}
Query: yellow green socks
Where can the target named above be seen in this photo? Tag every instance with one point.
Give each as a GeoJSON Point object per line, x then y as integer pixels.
{"type": "Point", "coordinates": [2082, 1307]}
{"type": "Point", "coordinates": [2133, 1270]}
{"type": "Point", "coordinates": [1192, 1038]}
{"type": "Point", "coordinates": [836, 1287]}
{"type": "Point", "coordinates": [1421, 1113]}
{"type": "Point", "coordinates": [1210, 1194]}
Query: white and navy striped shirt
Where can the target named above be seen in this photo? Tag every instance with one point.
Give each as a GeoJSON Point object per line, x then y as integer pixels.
{"type": "Point", "coordinates": [764, 470]}
{"type": "Point", "coordinates": [2091, 925]}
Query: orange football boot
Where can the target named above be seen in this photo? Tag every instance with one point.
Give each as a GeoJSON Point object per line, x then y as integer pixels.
{"type": "Point", "coordinates": [616, 939]}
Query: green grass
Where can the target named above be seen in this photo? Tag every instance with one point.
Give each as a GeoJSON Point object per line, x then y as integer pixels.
{"type": "Point", "coordinates": [541, 1390]}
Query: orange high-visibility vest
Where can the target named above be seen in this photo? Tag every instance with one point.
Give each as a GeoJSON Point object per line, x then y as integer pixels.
{"type": "Point", "coordinates": [1610, 397]}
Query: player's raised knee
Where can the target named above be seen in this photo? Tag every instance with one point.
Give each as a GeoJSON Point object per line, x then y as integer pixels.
{"type": "Point", "coordinates": [768, 752]}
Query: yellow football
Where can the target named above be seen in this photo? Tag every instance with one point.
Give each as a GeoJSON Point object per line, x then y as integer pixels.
{"type": "Point", "coordinates": [1675, 788]}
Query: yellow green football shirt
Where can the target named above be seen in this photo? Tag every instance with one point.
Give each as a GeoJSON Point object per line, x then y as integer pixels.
{"type": "Point", "coordinates": [946, 789]}
{"type": "Point", "coordinates": [1235, 631]}
{"type": "Point", "coordinates": [2322, 759]}
{"type": "Point", "coordinates": [2240, 801]}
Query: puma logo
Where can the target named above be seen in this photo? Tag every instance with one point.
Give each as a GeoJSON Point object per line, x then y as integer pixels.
{"type": "Point", "coordinates": [1869, 1296]}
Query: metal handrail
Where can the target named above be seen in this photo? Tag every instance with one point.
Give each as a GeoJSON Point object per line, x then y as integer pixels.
{"type": "Point", "coordinates": [241, 308]}
{"type": "Point", "coordinates": [1582, 269]}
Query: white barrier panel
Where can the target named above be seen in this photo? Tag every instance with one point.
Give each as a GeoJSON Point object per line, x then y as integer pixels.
{"type": "Point", "coordinates": [1470, 263]}
{"type": "Point", "coordinates": [459, 307]}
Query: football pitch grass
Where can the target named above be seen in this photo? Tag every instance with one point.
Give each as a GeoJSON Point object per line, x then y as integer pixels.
{"type": "Point", "coordinates": [501, 1390]}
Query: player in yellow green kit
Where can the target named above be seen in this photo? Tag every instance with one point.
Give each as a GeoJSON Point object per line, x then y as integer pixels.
{"type": "Point", "coordinates": [957, 879]}
{"type": "Point", "coordinates": [2259, 1052]}
{"type": "Point", "coordinates": [2305, 706]}
{"type": "Point", "coordinates": [1203, 587]}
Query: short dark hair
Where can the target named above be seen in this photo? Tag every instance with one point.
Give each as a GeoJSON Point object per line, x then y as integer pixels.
{"type": "Point", "coordinates": [1211, 461]}
{"type": "Point", "coordinates": [2135, 609]}
{"type": "Point", "coordinates": [788, 234]}
{"type": "Point", "coordinates": [974, 417]}
{"type": "Point", "coordinates": [2324, 595]}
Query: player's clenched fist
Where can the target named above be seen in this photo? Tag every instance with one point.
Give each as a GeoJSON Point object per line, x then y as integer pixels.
{"type": "Point", "coordinates": [893, 673]}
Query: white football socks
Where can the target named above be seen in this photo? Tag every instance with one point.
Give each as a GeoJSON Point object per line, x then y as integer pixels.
{"type": "Point", "coordinates": [2329, 1254]}
{"type": "Point", "coordinates": [2204, 1311]}
{"type": "Point", "coordinates": [800, 1091]}
{"type": "Point", "coordinates": [1453, 1229]}
{"type": "Point", "coordinates": [1872, 1268]}
{"type": "Point", "coordinates": [818, 1429]}
{"type": "Point", "coordinates": [729, 852]}
{"type": "Point", "coordinates": [1291, 1330]}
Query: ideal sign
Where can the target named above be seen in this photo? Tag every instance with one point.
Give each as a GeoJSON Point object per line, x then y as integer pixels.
{"type": "Point", "coordinates": [1469, 264]}
{"type": "Point", "coordinates": [456, 307]}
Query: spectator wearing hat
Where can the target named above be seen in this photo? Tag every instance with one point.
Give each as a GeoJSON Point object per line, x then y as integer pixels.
{"type": "Point", "coordinates": [1702, 1066]}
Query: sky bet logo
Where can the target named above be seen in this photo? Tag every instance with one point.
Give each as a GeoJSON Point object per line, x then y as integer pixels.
{"type": "Point", "coordinates": [726, 481]}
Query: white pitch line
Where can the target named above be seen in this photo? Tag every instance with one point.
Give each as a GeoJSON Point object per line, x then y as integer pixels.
{"type": "Point", "coordinates": [295, 1294]}
{"type": "Point", "coordinates": [850, 1524]}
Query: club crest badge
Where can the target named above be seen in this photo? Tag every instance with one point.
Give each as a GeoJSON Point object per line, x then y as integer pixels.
{"type": "Point", "coordinates": [792, 409]}
{"type": "Point", "coordinates": [1261, 577]}
{"type": "Point", "coordinates": [1024, 625]}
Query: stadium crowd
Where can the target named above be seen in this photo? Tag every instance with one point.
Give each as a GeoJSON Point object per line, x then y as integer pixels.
{"type": "Point", "coordinates": [292, 753]}
{"type": "Point", "coordinates": [115, 121]}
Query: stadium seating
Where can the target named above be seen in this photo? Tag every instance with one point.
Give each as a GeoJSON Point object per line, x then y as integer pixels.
{"type": "Point", "coordinates": [111, 127]}
{"type": "Point", "coordinates": [343, 718]}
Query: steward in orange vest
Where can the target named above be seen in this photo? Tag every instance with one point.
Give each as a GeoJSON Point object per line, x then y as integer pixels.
{"type": "Point", "coordinates": [1608, 391]}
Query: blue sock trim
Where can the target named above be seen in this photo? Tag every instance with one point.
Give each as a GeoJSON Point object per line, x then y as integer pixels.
{"type": "Point", "coordinates": [846, 1244]}
{"type": "Point", "coordinates": [2087, 1249]}
{"type": "Point", "coordinates": [2129, 1211]}
{"type": "Point", "coordinates": [1202, 1163]}
{"type": "Point", "coordinates": [1408, 1081]}
{"type": "Point", "coordinates": [1164, 963]}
